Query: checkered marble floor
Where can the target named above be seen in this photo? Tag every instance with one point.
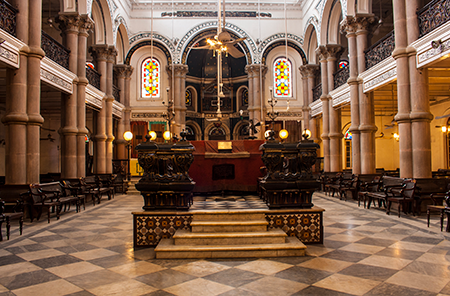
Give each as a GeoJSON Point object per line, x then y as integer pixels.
{"type": "Point", "coordinates": [365, 252]}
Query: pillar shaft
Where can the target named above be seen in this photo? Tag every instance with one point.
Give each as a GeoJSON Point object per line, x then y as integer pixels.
{"type": "Point", "coordinates": [109, 110]}
{"type": "Point", "coordinates": [323, 55]}
{"type": "Point", "coordinates": [179, 79]}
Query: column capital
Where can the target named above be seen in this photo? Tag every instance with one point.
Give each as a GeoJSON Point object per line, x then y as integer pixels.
{"type": "Point", "coordinates": [255, 69]}
{"type": "Point", "coordinates": [348, 26]}
{"type": "Point", "coordinates": [178, 70]}
{"type": "Point", "coordinates": [309, 70]}
{"type": "Point", "coordinates": [123, 70]}
{"type": "Point", "coordinates": [364, 23]}
{"type": "Point", "coordinates": [103, 52]}
{"type": "Point", "coordinates": [69, 23]}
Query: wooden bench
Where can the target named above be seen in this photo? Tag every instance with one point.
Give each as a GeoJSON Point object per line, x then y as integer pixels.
{"type": "Point", "coordinates": [405, 197]}
{"type": "Point", "coordinates": [385, 187]}
{"type": "Point", "coordinates": [429, 190]}
{"type": "Point", "coordinates": [51, 196]}
{"type": "Point", "coordinates": [95, 188]}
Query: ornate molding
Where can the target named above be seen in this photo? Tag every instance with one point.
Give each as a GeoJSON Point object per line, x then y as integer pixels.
{"type": "Point", "coordinates": [118, 109]}
{"type": "Point", "coordinates": [94, 97]}
{"type": "Point", "coordinates": [213, 14]}
{"type": "Point", "coordinates": [381, 74]}
{"type": "Point", "coordinates": [56, 75]}
{"type": "Point", "coordinates": [312, 21]}
{"type": "Point", "coordinates": [9, 56]}
{"type": "Point", "coordinates": [144, 115]}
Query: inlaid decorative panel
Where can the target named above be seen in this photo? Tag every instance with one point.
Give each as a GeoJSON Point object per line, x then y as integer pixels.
{"type": "Point", "coordinates": [149, 230]}
{"type": "Point", "coordinates": [306, 226]}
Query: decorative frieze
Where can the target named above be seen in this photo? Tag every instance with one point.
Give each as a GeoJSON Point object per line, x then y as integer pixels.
{"type": "Point", "coordinates": [213, 14]}
{"type": "Point", "coordinates": [9, 56]}
{"type": "Point", "coordinates": [146, 115]}
{"type": "Point", "coordinates": [56, 81]}
{"type": "Point", "coordinates": [437, 51]}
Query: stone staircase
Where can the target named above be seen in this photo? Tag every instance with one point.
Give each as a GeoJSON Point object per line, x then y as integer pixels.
{"type": "Point", "coordinates": [229, 234]}
{"type": "Point", "coordinates": [131, 188]}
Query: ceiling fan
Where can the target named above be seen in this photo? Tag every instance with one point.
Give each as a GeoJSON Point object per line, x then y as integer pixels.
{"type": "Point", "coordinates": [49, 137]}
{"type": "Point", "coordinates": [222, 41]}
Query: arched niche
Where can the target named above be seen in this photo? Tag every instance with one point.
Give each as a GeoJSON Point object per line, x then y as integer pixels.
{"type": "Point", "coordinates": [103, 29]}
{"type": "Point", "coordinates": [122, 44]}
{"type": "Point", "coordinates": [193, 97]}
{"type": "Point", "coordinates": [196, 128]}
{"type": "Point", "coordinates": [242, 92]}
{"type": "Point", "coordinates": [212, 126]}
{"type": "Point", "coordinates": [241, 130]}
{"type": "Point", "coordinates": [331, 17]}
{"type": "Point", "coordinates": [310, 44]}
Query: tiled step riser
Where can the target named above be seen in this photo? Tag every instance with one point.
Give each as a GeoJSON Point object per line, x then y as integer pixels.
{"type": "Point", "coordinates": [230, 241]}
{"type": "Point", "coordinates": [226, 228]}
{"type": "Point", "coordinates": [230, 254]}
{"type": "Point", "coordinates": [229, 217]}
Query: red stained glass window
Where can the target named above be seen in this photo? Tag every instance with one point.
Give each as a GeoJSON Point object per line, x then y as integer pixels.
{"type": "Point", "coordinates": [282, 78]}
{"type": "Point", "coordinates": [151, 80]}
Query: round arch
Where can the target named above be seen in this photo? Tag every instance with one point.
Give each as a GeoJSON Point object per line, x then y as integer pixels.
{"type": "Point", "coordinates": [196, 128]}
{"type": "Point", "coordinates": [156, 44]}
{"type": "Point", "coordinates": [103, 29]}
{"type": "Point", "coordinates": [212, 125]}
{"type": "Point", "coordinates": [194, 97]}
{"type": "Point", "coordinates": [291, 44]}
{"type": "Point", "coordinates": [238, 127]}
{"type": "Point", "coordinates": [311, 43]}
{"type": "Point", "coordinates": [212, 32]}
{"type": "Point", "coordinates": [122, 44]}
{"type": "Point", "coordinates": [330, 23]}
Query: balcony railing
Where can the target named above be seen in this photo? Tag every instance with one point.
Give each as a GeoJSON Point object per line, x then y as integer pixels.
{"type": "Point", "coordinates": [54, 50]}
{"type": "Point", "coordinates": [433, 15]}
{"type": "Point", "coordinates": [380, 50]}
{"type": "Point", "coordinates": [116, 93]}
{"type": "Point", "coordinates": [317, 92]}
{"type": "Point", "coordinates": [8, 17]}
{"type": "Point", "coordinates": [341, 77]}
{"type": "Point", "coordinates": [93, 77]}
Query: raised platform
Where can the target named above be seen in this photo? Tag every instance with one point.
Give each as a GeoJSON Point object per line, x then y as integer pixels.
{"type": "Point", "coordinates": [152, 226]}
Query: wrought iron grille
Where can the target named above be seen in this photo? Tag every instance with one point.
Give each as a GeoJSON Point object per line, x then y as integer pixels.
{"type": "Point", "coordinates": [93, 77]}
{"type": "Point", "coordinates": [380, 50]}
{"type": "Point", "coordinates": [433, 15]}
{"type": "Point", "coordinates": [116, 93]}
{"type": "Point", "coordinates": [341, 77]}
{"type": "Point", "coordinates": [54, 50]}
{"type": "Point", "coordinates": [317, 92]}
{"type": "Point", "coordinates": [8, 17]}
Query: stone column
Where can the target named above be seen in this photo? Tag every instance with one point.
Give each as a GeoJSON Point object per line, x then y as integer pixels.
{"type": "Point", "coordinates": [258, 96]}
{"type": "Point", "coordinates": [15, 119]}
{"type": "Point", "coordinates": [304, 71]}
{"type": "Point", "coordinates": [179, 103]}
{"type": "Point", "coordinates": [69, 129]}
{"type": "Point", "coordinates": [112, 53]}
{"type": "Point", "coordinates": [127, 111]}
{"type": "Point", "coordinates": [367, 127]}
{"type": "Point", "coordinates": [83, 33]}
{"type": "Point", "coordinates": [35, 120]}
{"type": "Point", "coordinates": [420, 103]}
{"type": "Point", "coordinates": [335, 134]}
{"type": "Point", "coordinates": [400, 55]}
{"type": "Point", "coordinates": [323, 55]}
{"type": "Point", "coordinates": [121, 152]}
{"type": "Point", "coordinates": [100, 53]}
{"type": "Point", "coordinates": [349, 26]}
{"type": "Point", "coordinates": [249, 69]}
{"type": "Point", "coordinates": [311, 83]}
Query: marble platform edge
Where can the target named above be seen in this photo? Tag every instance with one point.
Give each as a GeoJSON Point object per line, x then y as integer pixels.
{"type": "Point", "coordinates": [243, 211]}
{"type": "Point", "coordinates": [269, 233]}
{"type": "Point", "coordinates": [229, 223]}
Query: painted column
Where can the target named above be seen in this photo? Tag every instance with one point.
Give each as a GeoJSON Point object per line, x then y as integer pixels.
{"type": "Point", "coordinates": [179, 103]}
{"type": "Point", "coordinates": [127, 111]}
{"type": "Point", "coordinates": [420, 103]}
{"type": "Point", "coordinates": [35, 120]}
{"type": "Point", "coordinates": [83, 33]}
{"type": "Point", "coordinates": [349, 26]}
{"type": "Point", "coordinates": [69, 129]}
{"type": "Point", "coordinates": [335, 134]}
{"type": "Point", "coordinates": [304, 71]}
{"type": "Point", "coordinates": [112, 53]}
{"type": "Point", "coordinates": [400, 55]}
{"type": "Point", "coordinates": [121, 152]}
{"type": "Point", "coordinates": [367, 127]}
{"type": "Point", "coordinates": [314, 70]}
{"type": "Point", "coordinates": [15, 119]}
{"type": "Point", "coordinates": [100, 53]}
{"type": "Point", "coordinates": [323, 55]}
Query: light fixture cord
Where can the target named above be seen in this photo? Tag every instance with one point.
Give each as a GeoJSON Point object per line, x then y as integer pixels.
{"type": "Point", "coordinates": [261, 99]}
{"type": "Point", "coordinates": [151, 52]}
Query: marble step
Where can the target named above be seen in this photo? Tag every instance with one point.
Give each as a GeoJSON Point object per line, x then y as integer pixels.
{"type": "Point", "coordinates": [167, 250]}
{"type": "Point", "coordinates": [229, 215]}
{"type": "Point", "coordinates": [274, 236]}
{"type": "Point", "coordinates": [229, 226]}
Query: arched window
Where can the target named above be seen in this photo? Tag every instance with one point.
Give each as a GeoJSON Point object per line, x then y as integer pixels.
{"type": "Point", "coordinates": [348, 148]}
{"type": "Point", "coordinates": [151, 78]}
{"type": "Point", "coordinates": [282, 80]}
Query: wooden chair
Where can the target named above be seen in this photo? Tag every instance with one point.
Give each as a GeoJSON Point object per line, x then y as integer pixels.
{"type": "Point", "coordinates": [41, 200]}
{"type": "Point", "coordinates": [404, 198]}
{"type": "Point", "coordinates": [372, 186]}
{"type": "Point", "coordinates": [7, 217]}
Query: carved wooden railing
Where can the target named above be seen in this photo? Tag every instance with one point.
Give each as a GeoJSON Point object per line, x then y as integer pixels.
{"type": "Point", "coordinates": [55, 50]}
{"type": "Point", "coordinates": [380, 50]}
{"type": "Point", "coordinates": [341, 77]}
{"type": "Point", "coordinates": [433, 15]}
{"type": "Point", "coordinates": [317, 92]}
{"type": "Point", "coordinates": [8, 17]}
{"type": "Point", "coordinates": [93, 77]}
{"type": "Point", "coordinates": [116, 93]}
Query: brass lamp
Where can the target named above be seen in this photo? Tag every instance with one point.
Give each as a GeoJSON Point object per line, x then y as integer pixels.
{"type": "Point", "coordinates": [152, 135]}
{"type": "Point", "coordinates": [283, 134]}
{"type": "Point", "coordinates": [167, 135]}
{"type": "Point", "coordinates": [306, 134]}
{"type": "Point", "coordinates": [128, 136]}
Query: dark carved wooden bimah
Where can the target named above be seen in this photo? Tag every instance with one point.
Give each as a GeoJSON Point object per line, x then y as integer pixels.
{"type": "Point", "coordinates": [289, 181]}
{"type": "Point", "coordinates": [165, 183]}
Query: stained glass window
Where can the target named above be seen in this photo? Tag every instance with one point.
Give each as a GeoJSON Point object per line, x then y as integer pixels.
{"type": "Point", "coordinates": [151, 71]}
{"type": "Point", "coordinates": [188, 97]}
{"type": "Point", "coordinates": [245, 97]}
{"type": "Point", "coordinates": [282, 78]}
{"type": "Point", "coordinates": [348, 135]}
